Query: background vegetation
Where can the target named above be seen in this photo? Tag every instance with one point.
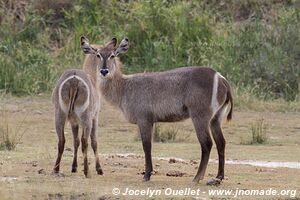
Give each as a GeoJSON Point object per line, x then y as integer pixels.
{"type": "Point", "coordinates": [254, 43]}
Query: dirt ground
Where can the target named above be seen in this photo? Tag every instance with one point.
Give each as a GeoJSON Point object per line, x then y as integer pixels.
{"type": "Point", "coordinates": [25, 173]}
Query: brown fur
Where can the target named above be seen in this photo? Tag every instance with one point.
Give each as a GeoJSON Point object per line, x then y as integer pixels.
{"type": "Point", "coordinates": [169, 96]}
{"type": "Point", "coordinates": [69, 97]}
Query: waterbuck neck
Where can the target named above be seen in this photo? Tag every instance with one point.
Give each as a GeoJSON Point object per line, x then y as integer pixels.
{"type": "Point", "coordinates": [90, 66]}
{"type": "Point", "coordinates": [113, 89]}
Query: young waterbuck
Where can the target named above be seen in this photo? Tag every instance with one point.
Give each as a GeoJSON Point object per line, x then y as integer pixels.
{"type": "Point", "coordinates": [76, 99]}
{"type": "Point", "coordinates": [199, 93]}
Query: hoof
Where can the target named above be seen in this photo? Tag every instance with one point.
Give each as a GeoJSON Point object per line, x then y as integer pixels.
{"type": "Point", "coordinates": [99, 171]}
{"type": "Point", "coordinates": [146, 178]}
{"type": "Point", "coordinates": [214, 182]}
{"type": "Point", "coordinates": [195, 181]}
{"type": "Point", "coordinates": [88, 175]}
{"type": "Point", "coordinates": [55, 171]}
{"type": "Point", "coordinates": [74, 170]}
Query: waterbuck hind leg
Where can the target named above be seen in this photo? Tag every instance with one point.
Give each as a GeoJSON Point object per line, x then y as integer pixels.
{"type": "Point", "coordinates": [60, 120]}
{"type": "Point", "coordinates": [216, 130]}
{"type": "Point", "coordinates": [145, 129]}
{"type": "Point", "coordinates": [202, 130]}
{"type": "Point", "coordinates": [94, 146]}
{"type": "Point", "coordinates": [76, 143]}
{"type": "Point", "coordinates": [84, 146]}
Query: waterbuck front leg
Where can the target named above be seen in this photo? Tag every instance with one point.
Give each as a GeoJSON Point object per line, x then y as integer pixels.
{"type": "Point", "coordinates": [60, 120]}
{"type": "Point", "coordinates": [76, 143]}
{"type": "Point", "coordinates": [84, 146]}
{"type": "Point", "coordinates": [201, 124]}
{"type": "Point", "coordinates": [94, 145]}
{"type": "Point", "coordinates": [145, 129]}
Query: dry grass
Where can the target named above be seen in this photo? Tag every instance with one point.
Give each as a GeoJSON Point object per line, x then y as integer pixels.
{"type": "Point", "coordinates": [258, 131]}
{"type": "Point", "coordinates": [11, 133]}
{"type": "Point", "coordinates": [246, 99]}
{"type": "Point", "coordinates": [20, 178]}
{"type": "Point", "coordinates": [167, 133]}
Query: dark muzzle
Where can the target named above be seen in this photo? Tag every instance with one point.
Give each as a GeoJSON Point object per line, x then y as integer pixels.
{"type": "Point", "coordinates": [104, 72]}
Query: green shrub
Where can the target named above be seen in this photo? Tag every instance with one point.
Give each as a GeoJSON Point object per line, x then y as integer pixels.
{"type": "Point", "coordinates": [255, 44]}
{"type": "Point", "coordinates": [24, 69]}
{"type": "Point", "coordinates": [263, 56]}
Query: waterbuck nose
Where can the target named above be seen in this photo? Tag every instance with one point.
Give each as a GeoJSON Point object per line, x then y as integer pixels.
{"type": "Point", "coordinates": [104, 72]}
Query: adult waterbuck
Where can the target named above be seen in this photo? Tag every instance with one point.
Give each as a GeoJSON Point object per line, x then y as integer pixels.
{"type": "Point", "coordinates": [76, 99]}
{"type": "Point", "coordinates": [196, 92]}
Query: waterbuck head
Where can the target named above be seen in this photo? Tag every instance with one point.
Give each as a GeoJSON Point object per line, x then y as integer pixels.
{"type": "Point", "coordinates": [106, 55]}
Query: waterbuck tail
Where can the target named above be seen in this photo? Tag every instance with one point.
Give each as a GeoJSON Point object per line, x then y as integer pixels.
{"type": "Point", "coordinates": [73, 92]}
{"type": "Point", "coordinates": [229, 100]}
{"type": "Point", "coordinates": [68, 92]}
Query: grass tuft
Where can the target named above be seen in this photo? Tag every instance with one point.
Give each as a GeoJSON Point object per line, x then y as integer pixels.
{"type": "Point", "coordinates": [258, 132]}
{"type": "Point", "coordinates": [10, 136]}
{"type": "Point", "coordinates": [166, 135]}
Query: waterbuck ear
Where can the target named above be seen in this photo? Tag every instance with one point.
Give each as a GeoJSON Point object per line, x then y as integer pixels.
{"type": "Point", "coordinates": [112, 43]}
{"type": "Point", "coordinates": [123, 47]}
{"type": "Point", "coordinates": [85, 45]}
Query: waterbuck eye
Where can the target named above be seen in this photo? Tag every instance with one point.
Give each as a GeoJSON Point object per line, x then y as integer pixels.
{"type": "Point", "coordinates": [98, 56]}
{"type": "Point", "coordinates": [112, 56]}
